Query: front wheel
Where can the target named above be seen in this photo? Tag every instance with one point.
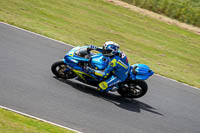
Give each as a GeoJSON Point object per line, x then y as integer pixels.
{"type": "Point", "coordinates": [133, 89]}
{"type": "Point", "coordinates": [61, 70]}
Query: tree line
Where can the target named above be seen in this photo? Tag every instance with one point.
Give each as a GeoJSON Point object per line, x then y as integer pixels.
{"type": "Point", "coordinates": [187, 11]}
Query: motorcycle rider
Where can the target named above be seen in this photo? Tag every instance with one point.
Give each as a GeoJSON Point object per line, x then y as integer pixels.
{"type": "Point", "coordinates": [118, 65]}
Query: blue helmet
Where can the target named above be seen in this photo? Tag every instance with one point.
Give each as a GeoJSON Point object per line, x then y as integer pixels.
{"type": "Point", "coordinates": [110, 48]}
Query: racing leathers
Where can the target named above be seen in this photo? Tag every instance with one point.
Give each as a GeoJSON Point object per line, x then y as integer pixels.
{"type": "Point", "coordinates": [118, 66]}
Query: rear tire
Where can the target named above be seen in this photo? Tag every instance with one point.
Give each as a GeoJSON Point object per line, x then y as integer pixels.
{"type": "Point", "coordinates": [59, 70]}
{"type": "Point", "coordinates": [133, 89]}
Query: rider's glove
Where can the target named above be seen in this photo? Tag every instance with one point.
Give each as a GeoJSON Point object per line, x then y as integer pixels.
{"type": "Point", "coordinates": [92, 47]}
{"type": "Point", "coordinates": [89, 70]}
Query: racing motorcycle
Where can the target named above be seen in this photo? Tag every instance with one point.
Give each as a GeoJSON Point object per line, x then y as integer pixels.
{"type": "Point", "coordinates": [78, 58]}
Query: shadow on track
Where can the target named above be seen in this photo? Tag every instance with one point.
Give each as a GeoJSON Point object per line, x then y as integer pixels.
{"type": "Point", "coordinates": [124, 103]}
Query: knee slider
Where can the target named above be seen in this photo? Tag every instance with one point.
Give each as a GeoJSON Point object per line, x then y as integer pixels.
{"type": "Point", "coordinates": [103, 85]}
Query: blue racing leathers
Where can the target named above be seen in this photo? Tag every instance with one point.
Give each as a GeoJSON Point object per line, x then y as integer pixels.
{"type": "Point", "coordinates": [119, 67]}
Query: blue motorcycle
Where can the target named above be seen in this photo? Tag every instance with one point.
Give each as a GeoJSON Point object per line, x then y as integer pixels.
{"type": "Point", "coordinates": [77, 59]}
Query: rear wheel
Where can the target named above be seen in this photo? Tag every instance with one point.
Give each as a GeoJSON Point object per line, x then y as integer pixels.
{"type": "Point", "coordinates": [61, 70]}
{"type": "Point", "coordinates": [133, 89]}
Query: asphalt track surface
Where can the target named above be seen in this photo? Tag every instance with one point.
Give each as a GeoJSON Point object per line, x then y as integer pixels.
{"type": "Point", "coordinates": [27, 85]}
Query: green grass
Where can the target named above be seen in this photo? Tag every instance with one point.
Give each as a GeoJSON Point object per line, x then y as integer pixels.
{"type": "Point", "coordinates": [14, 123]}
{"type": "Point", "coordinates": [167, 49]}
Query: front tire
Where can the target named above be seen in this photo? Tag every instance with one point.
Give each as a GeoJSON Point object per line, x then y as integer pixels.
{"type": "Point", "coordinates": [133, 89]}
{"type": "Point", "coordinates": [60, 70]}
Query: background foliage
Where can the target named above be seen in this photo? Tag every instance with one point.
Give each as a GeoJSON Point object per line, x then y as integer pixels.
{"type": "Point", "coordinates": [187, 11]}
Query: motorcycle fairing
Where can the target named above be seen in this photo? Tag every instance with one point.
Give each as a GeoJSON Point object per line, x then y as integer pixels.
{"type": "Point", "coordinates": [84, 76]}
{"type": "Point", "coordinates": [140, 72]}
{"type": "Point", "coordinates": [72, 57]}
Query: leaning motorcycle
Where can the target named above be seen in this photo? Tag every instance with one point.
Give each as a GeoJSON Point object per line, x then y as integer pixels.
{"type": "Point", "coordinates": [78, 58]}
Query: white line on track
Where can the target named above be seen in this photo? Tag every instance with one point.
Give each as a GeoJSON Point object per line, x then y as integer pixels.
{"type": "Point", "coordinates": [178, 82]}
{"type": "Point", "coordinates": [36, 34]}
{"type": "Point", "coordinates": [27, 115]}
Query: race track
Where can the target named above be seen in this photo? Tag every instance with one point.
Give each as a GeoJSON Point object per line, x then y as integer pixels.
{"type": "Point", "coordinates": [27, 85]}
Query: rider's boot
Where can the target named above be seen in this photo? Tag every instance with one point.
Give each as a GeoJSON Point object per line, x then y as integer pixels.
{"type": "Point", "coordinates": [114, 88]}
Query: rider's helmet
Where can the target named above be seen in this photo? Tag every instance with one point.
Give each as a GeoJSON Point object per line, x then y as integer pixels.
{"type": "Point", "coordinates": [110, 48]}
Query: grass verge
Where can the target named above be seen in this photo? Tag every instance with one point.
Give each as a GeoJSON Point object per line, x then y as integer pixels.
{"type": "Point", "coordinates": [11, 122]}
{"type": "Point", "coordinates": [167, 49]}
